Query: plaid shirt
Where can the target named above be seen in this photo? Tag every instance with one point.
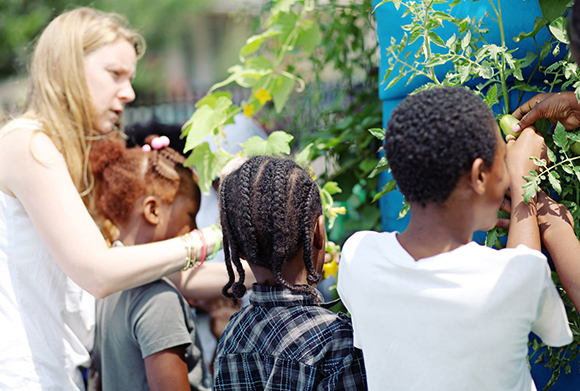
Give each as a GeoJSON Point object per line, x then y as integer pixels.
{"type": "Point", "coordinates": [283, 341]}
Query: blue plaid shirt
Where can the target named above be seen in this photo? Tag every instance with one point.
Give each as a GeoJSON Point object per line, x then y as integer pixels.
{"type": "Point", "coordinates": [283, 341]}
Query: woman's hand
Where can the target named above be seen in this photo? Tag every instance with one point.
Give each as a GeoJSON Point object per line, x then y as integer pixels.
{"type": "Point", "coordinates": [560, 107]}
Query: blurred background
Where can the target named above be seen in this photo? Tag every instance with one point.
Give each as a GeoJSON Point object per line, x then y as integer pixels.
{"type": "Point", "coordinates": [191, 45]}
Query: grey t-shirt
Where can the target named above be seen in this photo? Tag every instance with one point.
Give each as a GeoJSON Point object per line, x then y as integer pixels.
{"type": "Point", "coordinates": [139, 322]}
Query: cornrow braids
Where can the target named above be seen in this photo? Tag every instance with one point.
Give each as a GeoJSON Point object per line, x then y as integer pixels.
{"type": "Point", "coordinates": [268, 211]}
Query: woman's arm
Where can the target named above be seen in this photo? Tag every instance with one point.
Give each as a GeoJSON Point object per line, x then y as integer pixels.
{"type": "Point", "coordinates": [206, 282]}
{"type": "Point", "coordinates": [556, 226]}
{"type": "Point", "coordinates": [32, 170]}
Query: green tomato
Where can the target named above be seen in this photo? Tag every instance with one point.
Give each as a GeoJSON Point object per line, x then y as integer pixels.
{"type": "Point", "coordinates": [575, 148]}
{"type": "Point", "coordinates": [506, 123]}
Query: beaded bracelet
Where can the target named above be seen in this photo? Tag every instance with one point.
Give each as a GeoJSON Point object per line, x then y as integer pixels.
{"type": "Point", "coordinates": [203, 248]}
{"type": "Point", "coordinates": [218, 244]}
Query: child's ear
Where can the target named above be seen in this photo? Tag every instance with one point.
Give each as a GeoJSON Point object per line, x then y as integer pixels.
{"type": "Point", "coordinates": [151, 210]}
{"type": "Point", "coordinates": [478, 176]}
{"type": "Point", "coordinates": [319, 235]}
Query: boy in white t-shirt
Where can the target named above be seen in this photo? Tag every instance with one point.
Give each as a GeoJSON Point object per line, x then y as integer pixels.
{"type": "Point", "coordinates": [431, 309]}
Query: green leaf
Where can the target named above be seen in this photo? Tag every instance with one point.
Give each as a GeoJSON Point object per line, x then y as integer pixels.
{"type": "Point", "coordinates": [332, 188]}
{"type": "Point", "coordinates": [204, 120]}
{"type": "Point", "coordinates": [378, 133]}
{"type": "Point", "coordinates": [397, 4]}
{"type": "Point", "coordinates": [244, 76]}
{"type": "Point", "coordinates": [526, 61]}
{"type": "Point", "coordinates": [539, 23]}
{"type": "Point", "coordinates": [255, 41]}
{"type": "Point", "coordinates": [326, 199]}
{"type": "Point", "coordinates": [486, 71]}
{"type": "Point", "coordinates": [560, 137]}
{"type": "Point", "coordinates": [277, 143]}
{"type": "Point", "coordinates": [450, 41]}
{"type": "Point", "coordinates": [381, 166]}
{"type": "Point", "coordinates": [552, 9]}
{"type": "Point", "coordinates": [466, 40]}
{"type": "Point", "coordinates": [551, 155]}
{"type": "Point", "coordinates": [554, 182]}
{"type": "Point", "coordinates": [491, 96]}
{"type": "Point", "coordinates": [436, 39]}
{"type": "Point", "coordinates": [207, 164]}
{"type": "Point", "coordinates": [414, 35]}
{"type": "Point", "coordinates": [573, 136]}
{"type": "Point", "coordinates": [309, 37]}
{"type": "Point", "coordinates": [464, 73]}
{"type": "Point", "coordinates": [286, 22]}
{"type": "Point", "coordinates": [404, 210]}
{"type": "Point", "coordinates": [546, 49]}
{"type": "Point", "coordinates": [367, 165]}
{"type": "Point", "coordinates": [577, 172]}
{"type": "Point", "coordinates": [558, 29]}
{"type": "Point", "coordinates": [282, 6]}
{"type": "Point", "coordinates": [212, 98]}
{"type": "Point", "coordinates": [303, 156]}
{"type": "Point", "coordinates": [388, 187]}
{"type": "Point", "coordinates": [529, 191]}
{"type": "Point", "coordinates": [491, 237]}
{"type": "Point", "coordinates": [260, 63]}
{"type": "Point", "coordinates": [281, 90]}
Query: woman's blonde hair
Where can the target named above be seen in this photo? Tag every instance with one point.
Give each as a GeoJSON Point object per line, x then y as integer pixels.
{"type": "Point", "coordinates": [58, 94]}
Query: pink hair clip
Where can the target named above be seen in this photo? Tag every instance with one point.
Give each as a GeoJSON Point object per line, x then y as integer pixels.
{"type": "Point", "coordinates": [156, 143]}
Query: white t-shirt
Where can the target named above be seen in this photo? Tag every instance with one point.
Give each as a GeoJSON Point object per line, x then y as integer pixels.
{"type": "Point", "coordinates": [455, 321]}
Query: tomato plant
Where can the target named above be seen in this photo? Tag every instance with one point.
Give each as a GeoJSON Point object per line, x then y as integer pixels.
{"type": "Point", "coordinates": [501, 76]}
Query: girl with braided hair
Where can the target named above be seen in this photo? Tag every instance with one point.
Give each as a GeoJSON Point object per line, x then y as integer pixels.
{"type": "Point", "coordinates": [271, 216]}
{"type": "Point", "coordinates": [142, 196]}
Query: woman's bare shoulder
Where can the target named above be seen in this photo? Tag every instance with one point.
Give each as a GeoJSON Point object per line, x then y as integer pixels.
{"type": "Point", "coordinates": [22, 149]}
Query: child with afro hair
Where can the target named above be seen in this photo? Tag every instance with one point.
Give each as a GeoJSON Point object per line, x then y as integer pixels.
{"type": "Point", "coordinates": [431, 309]}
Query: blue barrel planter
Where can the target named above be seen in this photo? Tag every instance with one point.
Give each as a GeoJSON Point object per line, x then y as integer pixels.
{"type": "Point", "coordinates": [519, 16]}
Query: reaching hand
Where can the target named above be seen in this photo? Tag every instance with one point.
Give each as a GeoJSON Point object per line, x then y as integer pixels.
{"type": "Point", "coordinates": [530, 143]}
{"type": "Point", "coordinates": [560, 107]}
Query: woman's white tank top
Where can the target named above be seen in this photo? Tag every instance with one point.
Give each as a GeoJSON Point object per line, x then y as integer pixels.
{"type": "Point", "coordinates": [46, 320]}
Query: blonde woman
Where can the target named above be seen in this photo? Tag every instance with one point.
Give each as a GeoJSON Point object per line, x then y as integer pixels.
{"type": "Point", "coordinates": [51, 251]}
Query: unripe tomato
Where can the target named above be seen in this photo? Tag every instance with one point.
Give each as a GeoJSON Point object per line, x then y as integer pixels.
{"type": "Point", "coordinates": [506, 123]}
{"type": "Point", "coordinates": [575, 148]}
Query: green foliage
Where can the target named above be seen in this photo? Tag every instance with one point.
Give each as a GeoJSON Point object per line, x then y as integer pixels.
{"type": "Point", "coordinates": [497, 71]}
{"type": "Point", "coordinates": [22, 21]}
{"type": "Point", "coordinates": [262, 69]}
{"type": "Point", "coordinates": [325, 36]}
{"type": "Point", "coordinates": [337, 129]}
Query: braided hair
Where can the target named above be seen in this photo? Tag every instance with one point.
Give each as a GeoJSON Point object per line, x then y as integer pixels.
{"type": "Point", "coordinates": [268, 211]}
{"type": "Point", "coordinates": [122, 175]}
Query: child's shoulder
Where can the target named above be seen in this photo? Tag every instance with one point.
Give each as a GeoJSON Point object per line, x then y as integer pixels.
{"type": "Point", "coordinates": [366, 239]}
{"type": "Point", "coordinates": [521, 252]}
{"type": "Point", "coordinates": [162, 289]}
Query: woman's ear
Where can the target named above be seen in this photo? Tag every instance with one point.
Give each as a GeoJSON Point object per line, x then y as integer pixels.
{"type": "Point", "coordinates": [151, 210]}
{"type": "Point", "coordinates": [478, 176]}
